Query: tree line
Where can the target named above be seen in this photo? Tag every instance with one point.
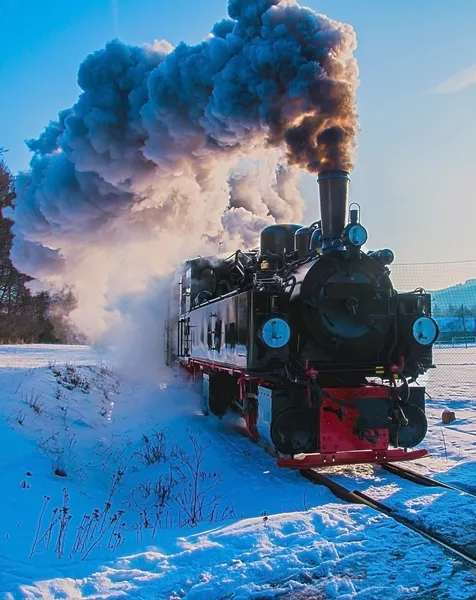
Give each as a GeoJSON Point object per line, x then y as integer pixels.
{"type": "Point", "coordinates": [26, 317]}
{"type": "Point", "coordinates": [460, 311]}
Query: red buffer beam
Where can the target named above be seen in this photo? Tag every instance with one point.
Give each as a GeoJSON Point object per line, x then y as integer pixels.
{"type": "Point", "coordinates": [311, 461]}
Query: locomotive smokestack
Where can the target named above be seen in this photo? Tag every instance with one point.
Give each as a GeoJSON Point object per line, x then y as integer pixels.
{"type": "Point", "coordinates": [333, 194]}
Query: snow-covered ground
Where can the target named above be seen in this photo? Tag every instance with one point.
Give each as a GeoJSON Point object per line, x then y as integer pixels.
{"type": "Point", "coordinates": [455, 376]}
{"type": "Point", "coordinates": [121, 489]}
{"type": "Point", "coordinates": [43, 355]}
{"type": "Point", "coordinates": [452, 385]}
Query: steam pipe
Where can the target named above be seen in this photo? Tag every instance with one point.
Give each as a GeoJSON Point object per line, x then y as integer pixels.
{"type": "Point", "coordinates": [333, 196]}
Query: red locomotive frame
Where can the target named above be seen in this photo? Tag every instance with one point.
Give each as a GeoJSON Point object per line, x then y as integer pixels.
{"type": "Point", "coordinates": [337, 441]}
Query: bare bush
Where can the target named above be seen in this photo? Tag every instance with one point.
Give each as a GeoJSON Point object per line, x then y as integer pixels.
{"type": "Point", "coordinates": [22, 381]}
{"type": "Point", "coordinates": [106, 382]}
{"type": "Point", "coordinates": [154, 448]}
{"type": "Point", "coordinates": [95, 528]}
{"type": "Point", "coordinates": [107, 371]}
{"type": "Point", "coordinates": [184, 495]}
{"type": "Point", "coordinates": [33, 399]}
{"type": "Point", "coordinates": [21, 417]}
{"type": "Point", "coordinates": [54, 369]}
{"type": "Point", "coordinates": [196, 499]}
{"type": "Point", "coordinates": [58, 448]}
{"type": "Point", "coordinates": [70, 378]}
{"type": "Point", "coordinates": [100, 527]}
{"type": "Point", "coordinates": [57, 528]}
{"type": "Point", "coordinates": [153, 500]}
{"type": "Point", "coordinates": [112, 453]}
{"type": "Point", "coordinates": [159, 490]}
{"type": "Point", "coordinates": [188, 486]}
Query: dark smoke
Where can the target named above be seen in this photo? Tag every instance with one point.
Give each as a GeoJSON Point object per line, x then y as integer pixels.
{"type": "Point", "coordinates": [149, 145]}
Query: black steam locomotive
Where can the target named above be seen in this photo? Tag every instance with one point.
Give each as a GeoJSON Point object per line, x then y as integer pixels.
{"type": "Point", "coordinates": [308, 339]}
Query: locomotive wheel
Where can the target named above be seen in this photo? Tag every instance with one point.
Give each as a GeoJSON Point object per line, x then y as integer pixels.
{"type": "Point", "coordinates": [293, 430]}
{"type": "Point", "coordinates": [412, 434]}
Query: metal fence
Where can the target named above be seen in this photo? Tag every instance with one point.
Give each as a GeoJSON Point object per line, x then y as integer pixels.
{"type": "Point", "coordinates": [453, 289]}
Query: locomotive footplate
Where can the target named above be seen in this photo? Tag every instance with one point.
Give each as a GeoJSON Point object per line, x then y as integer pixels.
{"type": "Point", "coordinates": [312, 461]}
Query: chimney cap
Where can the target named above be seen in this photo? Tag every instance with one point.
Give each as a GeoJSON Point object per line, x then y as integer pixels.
{"type": "Point", "coordinates": [333, 173]}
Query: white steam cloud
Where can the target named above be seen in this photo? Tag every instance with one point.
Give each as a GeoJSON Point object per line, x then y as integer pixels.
{"type": "Point", "coordinates": [169, 151]}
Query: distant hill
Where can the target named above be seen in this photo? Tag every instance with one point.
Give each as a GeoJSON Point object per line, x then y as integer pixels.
{"type": "Point", "coordinates": [454, 308]}
{"type": "Point", "coordinates": [456, 295]}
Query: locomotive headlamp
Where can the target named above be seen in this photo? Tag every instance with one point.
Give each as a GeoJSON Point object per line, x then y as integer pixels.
{"type": "Point", "coordinates": [425, 330]}
{"type": "Point", "coordinates": [357, 235]}
{"type": "Point", "coordinates": [264, 264]}
{"type": "Point", "coordinates": [275, 333]}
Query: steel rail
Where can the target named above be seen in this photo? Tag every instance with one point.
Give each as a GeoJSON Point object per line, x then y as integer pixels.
{"type": "Point", "coordinates": [424, 480]}
{"type": "Point", "coordinates": [359, 498]}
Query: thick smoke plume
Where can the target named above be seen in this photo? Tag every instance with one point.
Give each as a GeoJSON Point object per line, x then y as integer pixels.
{"type": "Point", "coordinates": [152, 163]}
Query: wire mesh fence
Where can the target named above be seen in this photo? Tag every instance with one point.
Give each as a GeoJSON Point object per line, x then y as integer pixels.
{"type": "Point", "coordinates": [453, 289]}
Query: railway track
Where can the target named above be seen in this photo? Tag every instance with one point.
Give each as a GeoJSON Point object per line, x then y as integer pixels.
{"type": "Point", "coordinates": [410, 475]}
{"type": "Point", "coordinates": [358, 497]}
{"type": "Point", "coordinates": [455, 550]}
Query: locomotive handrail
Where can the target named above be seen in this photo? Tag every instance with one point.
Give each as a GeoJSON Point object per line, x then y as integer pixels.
{"type": "Point", "coordinates": [232, 293]}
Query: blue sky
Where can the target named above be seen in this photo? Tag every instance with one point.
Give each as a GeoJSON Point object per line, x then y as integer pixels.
{"type": "Point", "coordinates": [417, 97]}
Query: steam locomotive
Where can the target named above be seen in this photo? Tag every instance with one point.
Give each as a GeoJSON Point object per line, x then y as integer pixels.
{"type": "Point", "coordinates": [308, 340]}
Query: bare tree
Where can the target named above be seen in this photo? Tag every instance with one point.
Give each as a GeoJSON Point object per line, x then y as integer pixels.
{"type": "Point", "coordinates": [25, 317]}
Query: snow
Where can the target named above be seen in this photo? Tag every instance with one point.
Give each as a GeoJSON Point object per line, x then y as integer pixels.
{"type": "Point", "coordinates": [259, 531]}
{"type": "Point", "coordinates": [454, 376]}
{"type": "Point", "coordinates": [451, 386]}
{"type": "Point", "coordinates": [40, 355]}
{"type": "Point", "coordinates": [448, 513]}
{"type": "Point", "coordinates": [452, 460]}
